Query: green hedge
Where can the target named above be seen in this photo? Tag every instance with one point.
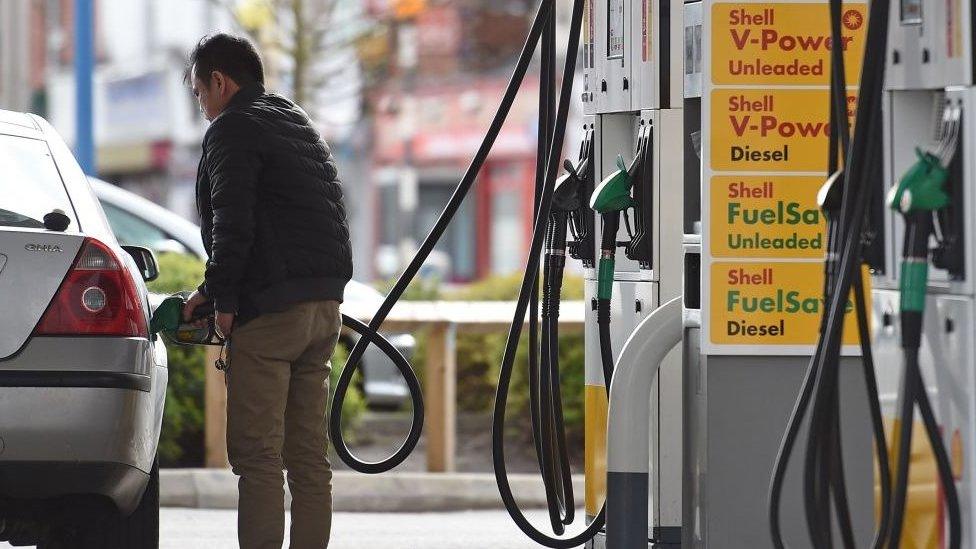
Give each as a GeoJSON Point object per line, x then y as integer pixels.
{"type": "Point", "coordinates": [181, 441]}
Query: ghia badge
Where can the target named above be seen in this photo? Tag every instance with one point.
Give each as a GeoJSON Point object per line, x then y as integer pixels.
{"type": "Point", "coordinates": [43, 248]}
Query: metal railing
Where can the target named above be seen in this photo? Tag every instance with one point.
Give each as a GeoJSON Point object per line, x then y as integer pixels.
{"type": "Point", "coordinates": [443, 321]}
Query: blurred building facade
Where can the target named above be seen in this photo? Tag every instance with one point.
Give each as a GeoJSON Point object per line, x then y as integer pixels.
{"type": "Point", "coordinates": [452, 62]}
{"type": "Point", "coordinates": [147, 125]}
{"type": "Point", "coordinates": [402, 89]}
{"type": "Point", "coordinates": [24, 52]}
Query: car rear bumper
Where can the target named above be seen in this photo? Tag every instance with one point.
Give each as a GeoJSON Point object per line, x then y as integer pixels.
{"type": "Point", "coordinates": [77, 424]}
{"type": "Point", "coordinates": [131, 355]}
{"type": "Point", "coordinates": [106, 436]}
{"type": "Point", "coordinates": [38, 480]}
{"type": "Point", "coordinates": [61, 378]}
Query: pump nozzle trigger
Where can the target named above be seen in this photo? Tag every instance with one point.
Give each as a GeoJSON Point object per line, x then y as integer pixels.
{"type": "Point", "coordinates": [568, 166]}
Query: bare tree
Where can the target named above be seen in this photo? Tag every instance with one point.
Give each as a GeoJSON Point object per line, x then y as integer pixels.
{"type": "Point", "coordinates": [295, 35]}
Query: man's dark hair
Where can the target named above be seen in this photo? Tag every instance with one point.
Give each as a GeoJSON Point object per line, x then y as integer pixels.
{"type": "Point", "coordinates": [232, 55]}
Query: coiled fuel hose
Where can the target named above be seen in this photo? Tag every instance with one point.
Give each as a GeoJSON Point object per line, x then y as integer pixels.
{"type": "Point", "coordinates": [823, 470]}
{"type": "Point", "coordinates": [549, 420]}
{"type": "Point", "coordinates": [545, 398]}
{"type": "Point", "coordinates": [370, 331]}
{"type": "Point", "coordinates": [539, 236]}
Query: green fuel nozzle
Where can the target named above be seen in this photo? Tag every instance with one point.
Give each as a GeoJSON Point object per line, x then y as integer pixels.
{"type": "Point", "coordinates": [613, 193]}
{"type": "Point", "coordinates": [167, 319]}
{"type": "Point", "coordinates": [920, 193]}
{"type": "Point", "coordinates": [611, 197]}
{"type": "Point", "coordinates": [922, 188]}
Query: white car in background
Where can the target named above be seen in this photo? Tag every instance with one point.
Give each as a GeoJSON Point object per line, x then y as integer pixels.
{"type": "Point", "coordinates": [141, 222]}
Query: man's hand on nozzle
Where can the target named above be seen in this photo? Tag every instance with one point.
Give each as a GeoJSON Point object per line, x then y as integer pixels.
{"type": "Point", "coordinates": [195, 300]}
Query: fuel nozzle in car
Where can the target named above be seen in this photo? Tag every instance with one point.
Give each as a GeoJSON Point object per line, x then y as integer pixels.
{"type": "Point", "coordinates": [168, 320]}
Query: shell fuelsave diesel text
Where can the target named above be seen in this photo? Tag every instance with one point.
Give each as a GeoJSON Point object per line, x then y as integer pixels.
{"type": "Point", "coordinates": [775, 300]}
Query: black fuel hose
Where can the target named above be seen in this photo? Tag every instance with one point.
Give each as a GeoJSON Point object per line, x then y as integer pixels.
{"type": "Point", "coordinates": [824, 474]}
{"type": "Point", "coordinates": [551, 436]}
{"type": "Point", "coordinates": [400, 361]}
{"type": "Point", "coordinates": [543, 137]}
{"type": "Point", "coordinates": [608, 248]}
{"type": "Point", "coordinates": [555, 260]}
{"type": "Point", "coordinates": [820, 379]}
{"type": "Point", "coordinates": [544, 397]}
{"type": "Point", "coordinates": [906, 417]}
{"type": "Point", "coordinates": [917, 232]}
{"type": "Point", "coordinates": [531, 273]}
{"type": "Point", "coordinates": [557, 263]}
{"type": "Point", "coordinates": [435, 234]}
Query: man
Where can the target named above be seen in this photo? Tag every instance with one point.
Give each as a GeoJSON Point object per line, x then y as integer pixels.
{"type": "Point", "coordinates": [275, 230]}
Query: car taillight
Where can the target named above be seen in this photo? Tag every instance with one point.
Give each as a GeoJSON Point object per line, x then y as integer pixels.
{"type": "Point", "coordinates": [97, 297]}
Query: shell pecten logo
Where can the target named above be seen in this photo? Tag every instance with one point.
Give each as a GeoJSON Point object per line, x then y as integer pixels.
{"type": "Point", "coordinates": [853, 20]}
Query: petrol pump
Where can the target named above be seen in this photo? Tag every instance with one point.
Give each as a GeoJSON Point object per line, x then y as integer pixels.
{"type": "Point", "coordinates": [734, 236]}
{"type": "Point", "coordinates": [632, 67]}
{"type": "Point", "coordinates": [927, 294]}
{"type": "Point", "coordinates": [756, 100]}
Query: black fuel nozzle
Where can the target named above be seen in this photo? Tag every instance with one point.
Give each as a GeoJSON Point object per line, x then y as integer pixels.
{"type": "Point", "coordinates": [829, 198]}
{"type": "Point", "coordinates": [640, 248]}
{"type": "Point", "coordinates": [831, 194]}
{"type": "Point", "coordinates": [581, 220]}
{"type": "Point", "coordinates": [566, 196]}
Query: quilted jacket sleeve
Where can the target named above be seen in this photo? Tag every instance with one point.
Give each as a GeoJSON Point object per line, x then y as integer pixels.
{"type": "Point", "coordinates": [234, 164]}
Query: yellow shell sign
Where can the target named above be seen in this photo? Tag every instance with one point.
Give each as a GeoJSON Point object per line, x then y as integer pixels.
{"type": "Point", "coordinates": [766, 130]}
{"type": "Point", "coordinates": [766, 216]}
{"type": "Point", "coordinates": [770, 304]}
{"type": "Point", "coordinates": [760, 130]}
{"type": "Point", "coordinates": [783, 43]}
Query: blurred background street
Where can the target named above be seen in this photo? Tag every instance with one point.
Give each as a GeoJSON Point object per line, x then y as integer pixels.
{"type": "Point", "coordinates": [403, 91]}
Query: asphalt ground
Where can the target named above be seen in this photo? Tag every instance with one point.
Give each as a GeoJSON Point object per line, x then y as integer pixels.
{"type": "Point", "coordinates": [216, 529]}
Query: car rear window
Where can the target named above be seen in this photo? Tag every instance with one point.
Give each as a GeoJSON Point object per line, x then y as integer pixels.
{"type": "Point", "coordinates": [30, 185]}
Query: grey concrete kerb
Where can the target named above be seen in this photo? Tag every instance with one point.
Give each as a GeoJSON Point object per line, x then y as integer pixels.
{"type": "Point", "coordinates": [354, 492]}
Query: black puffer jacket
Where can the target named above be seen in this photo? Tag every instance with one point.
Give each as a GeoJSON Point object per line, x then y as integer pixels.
{"type": "Point", "coordinates": [270, 201]}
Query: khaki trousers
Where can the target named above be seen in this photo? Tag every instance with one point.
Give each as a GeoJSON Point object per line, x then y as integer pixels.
{"type": "Point", "coordinates": [277, 398]}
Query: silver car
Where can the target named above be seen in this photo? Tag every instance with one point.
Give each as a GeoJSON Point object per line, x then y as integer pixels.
{"type": "Point", "coordinates": [82, 384]}
{"type": "Point", "coordinates": [141, 222]}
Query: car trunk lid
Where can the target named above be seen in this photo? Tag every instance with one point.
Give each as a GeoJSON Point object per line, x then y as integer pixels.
{"type": "Point", "coordinates": [33, 264]}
